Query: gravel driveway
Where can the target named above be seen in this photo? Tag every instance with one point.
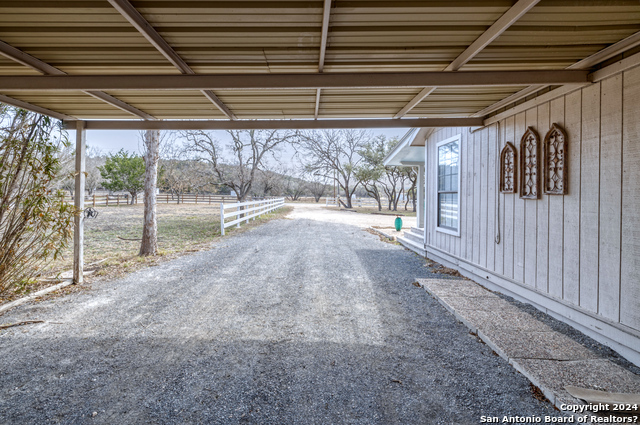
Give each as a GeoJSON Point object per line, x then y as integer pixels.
{"type": "Point", "coordinates": [295, 322]}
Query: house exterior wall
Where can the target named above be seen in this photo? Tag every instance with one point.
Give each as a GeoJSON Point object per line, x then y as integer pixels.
{"type": "Point", "coordinates": [577, 255]}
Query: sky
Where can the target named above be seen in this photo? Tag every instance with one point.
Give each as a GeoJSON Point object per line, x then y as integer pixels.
{"type": "Point", "coordinates": [111, 141]}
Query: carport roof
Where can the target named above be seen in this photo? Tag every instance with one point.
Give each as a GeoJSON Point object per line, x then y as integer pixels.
{"type": "Point", "coordinates": [299, 61]}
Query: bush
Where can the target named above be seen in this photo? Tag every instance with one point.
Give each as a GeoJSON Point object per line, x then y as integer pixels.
{"type": "Point", "coordinates": [123, 171]}
{"type": "Point", "coordinates": [35, 222]}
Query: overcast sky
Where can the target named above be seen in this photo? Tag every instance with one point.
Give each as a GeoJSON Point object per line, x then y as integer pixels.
{"type": "Point", "coordinates": [111, 141]}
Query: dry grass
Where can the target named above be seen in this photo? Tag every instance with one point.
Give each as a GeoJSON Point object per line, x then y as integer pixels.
{"type": "Point", "coordinates": [374, 210]}
{"type": "Point", "coordinates": [112, 240]}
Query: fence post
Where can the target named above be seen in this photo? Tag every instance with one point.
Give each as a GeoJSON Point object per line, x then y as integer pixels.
{"type": "Point", "coordinates": [222, 218]}
{"type": "Point", "coordinates": [117, 200]}
{"type": "Point", "coordinates": [94, 199]}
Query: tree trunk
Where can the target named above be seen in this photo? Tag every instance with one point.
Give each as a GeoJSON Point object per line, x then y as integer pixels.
{"type": "Point", "coordinates": [149, 244]}
{"type": "Point", "coordinates": [414, 195]}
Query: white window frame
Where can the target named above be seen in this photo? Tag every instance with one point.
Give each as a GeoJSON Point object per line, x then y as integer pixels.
{"type": "Point", "coordinates": [457, 138]}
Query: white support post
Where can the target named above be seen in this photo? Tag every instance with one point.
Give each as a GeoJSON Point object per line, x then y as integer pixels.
{"type": "Point", "coordinates": [222, 217]}
{"type": "Point", "coordinates": [78, 230]}
{"type": "Point", "coordinates": [420, 210]}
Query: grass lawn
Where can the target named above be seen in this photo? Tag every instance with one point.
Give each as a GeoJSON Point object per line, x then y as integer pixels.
{"type": "Point", "coordinates": [112, 240]}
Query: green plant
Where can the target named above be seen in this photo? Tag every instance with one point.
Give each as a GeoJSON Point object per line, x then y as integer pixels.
{"type": "Point", "coordinates": [35, 222]}
{"type": "Point", "coordinates": [123, 171]}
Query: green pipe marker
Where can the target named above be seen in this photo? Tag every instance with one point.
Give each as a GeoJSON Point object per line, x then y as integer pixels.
{"type": "Point", "coordinates": [398, 223]}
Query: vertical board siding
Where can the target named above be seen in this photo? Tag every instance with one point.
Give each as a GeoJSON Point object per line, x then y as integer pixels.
{"type": "Point", "coordinates": [484, 193]}
{"type": "Point", "coordinates": [531, 213]}
{"type": "Point", "coordinates": [571, 267]}
{"type": "Point", "coordinates": [492, 187]}
{"type": "Point", "coordinates": [468, 198]}
{"type": "Point", "coordinates": [610, 198]}
{"type": "Point", "coordinates": [456, 240]}
{"type": "Point", "coordinates": [519, 211]}
{"type": "Point", "coordinates": [509, 208]}
{"type": "Point", "coordinates": [589, 197]}
{"type": "Point", "coordinates": [630, 266]}
{"type": "Point", "coordinates": [583, 247]}
{"type": "Point", "coordinates": [476, 192]}
{"type": "Point", "coordinates": [556, 211]}
{"type": "Point", "coordinates": [542, 226]}
{"type": "Point", "coordinates": [500, 213]}
{"type": "Point", "coordinates": [460, 250]}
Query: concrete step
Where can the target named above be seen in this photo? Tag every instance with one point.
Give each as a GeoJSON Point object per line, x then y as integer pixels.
{"type": "Point", "coordinates": [417, 231]}
{"type": "Point", "coordinates": [416, 238]}
{"type": "Point", "coordinates": [416, 247]}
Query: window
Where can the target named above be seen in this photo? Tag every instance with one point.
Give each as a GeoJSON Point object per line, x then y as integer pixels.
{"type": "Point", "coordinates": [448, 154]}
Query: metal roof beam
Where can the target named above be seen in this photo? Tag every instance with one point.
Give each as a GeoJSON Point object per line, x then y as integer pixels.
{"type": "Point", "coordinates": [32, 62]}
{"type": "Point", "coordinates": [34, 108]}
{"type": "Point", "coordinates": [494, 31]}
{"type": "Point", "coordinates": [503, 23]}
{"type": "Point", "coordinates": [291, 81]}
{"type": "Point", "coordinates": [277, 124]}
{"type": "Point", "coordinates": [17, 55]}
{"type": "Point", "coordinates": [136, 19]}
{"type": "Point", "coordinates": [317, 108]}
{"type": "Point", "coordinates": [598, 57]}
{"type": "Point", "coordinates": [326, 14]}
{"type": "Point", "coordinates": [119, 104]}
{"type": "Point", "coordinates": [325, 34]}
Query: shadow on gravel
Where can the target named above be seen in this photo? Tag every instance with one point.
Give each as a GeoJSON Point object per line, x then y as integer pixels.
{"type": "Point", "coordinates": [255, 382]}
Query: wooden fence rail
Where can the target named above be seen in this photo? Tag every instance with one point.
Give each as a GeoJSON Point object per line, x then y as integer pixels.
{"type": "Point", "coordinates": [161, 198]}
{"type": "Point", "coordinates": [359, 202]}
{"type": "Point", "coordinates": [247, 210]}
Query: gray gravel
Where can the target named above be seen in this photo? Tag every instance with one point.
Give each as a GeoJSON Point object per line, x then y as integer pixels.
{"type": "Point", "coordinates": [294, 322]}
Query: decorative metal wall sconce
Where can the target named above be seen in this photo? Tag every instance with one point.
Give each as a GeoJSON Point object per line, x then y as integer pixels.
{"type": "Point", "coordinates": [555, 161]}
{"type": "Point", "coordinates": [529, 165]}
{"type": "Point", "coordinates": [508, 169]}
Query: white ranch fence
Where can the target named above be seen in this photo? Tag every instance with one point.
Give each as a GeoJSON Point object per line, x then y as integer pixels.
{"type": "Point", "coordinates": [250, 210]}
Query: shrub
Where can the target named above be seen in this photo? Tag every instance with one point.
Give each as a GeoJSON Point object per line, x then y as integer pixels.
{"type": "Point", "coordinates": [35, 222]}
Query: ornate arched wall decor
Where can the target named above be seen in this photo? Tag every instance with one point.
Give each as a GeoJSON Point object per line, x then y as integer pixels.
{"type": "Point", "coordinates": [508, 169]}
{"type": "Point", "coordinates": [555, 161]}
{"type": "Point", "coordinates": [529, 165]}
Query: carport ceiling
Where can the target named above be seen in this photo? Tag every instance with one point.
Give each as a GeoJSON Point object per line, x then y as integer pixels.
{"type": "Point", "coordinates": [300, 60]}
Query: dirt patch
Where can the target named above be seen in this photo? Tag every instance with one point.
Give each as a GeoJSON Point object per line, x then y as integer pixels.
{"type": "Point", "coordinates": [382, 237]}
{"type": "Point", "coordinates": [537, 393]}
{"type": "Point", "coordinates": [439, 268]}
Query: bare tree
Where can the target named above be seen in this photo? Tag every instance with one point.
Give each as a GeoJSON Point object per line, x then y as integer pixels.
{"type": "Point", "coordinates": [317, 186]}
{"type": "Point", "coordinates": [268, 183]}
{"type": "Point", "coordinates": [179, 173]}
{"type": "Point", "coordinates": [236, 165]}
{"type": "Point", "coordinates": [149, 245]}
{"type": "Point", "coordinates": [394, 187]}
{"type": "Point", "coordinates": [412, 177]}
{"type": "Point", "coordinates": [329, 151]}
{"type": "Point", "coordinates": [93, 178]}
{"type": "Point", "coordinates": [371, 170]}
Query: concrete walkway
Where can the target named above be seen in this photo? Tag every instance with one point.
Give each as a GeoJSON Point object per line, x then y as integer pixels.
{"type": "Point", "coordinates": [298, 321]}
{"type": "Point", "coordinates": [547, 357]}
